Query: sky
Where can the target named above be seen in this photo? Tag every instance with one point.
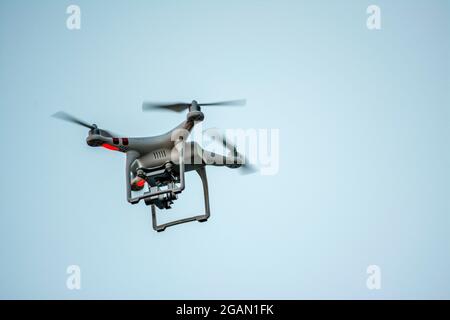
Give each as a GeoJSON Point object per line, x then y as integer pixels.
{"type": "Point", "coordinates": [363, 176]}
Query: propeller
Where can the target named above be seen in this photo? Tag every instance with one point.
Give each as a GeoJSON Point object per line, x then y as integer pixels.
{"type": "Point", "coordinates": [246, 167]}
{"type": "Point", "coordinates": [61, 115]}
{"type": "Point", "coordinates": [70, 118]}
{"type": "Point", "coordinates": [181, 106]}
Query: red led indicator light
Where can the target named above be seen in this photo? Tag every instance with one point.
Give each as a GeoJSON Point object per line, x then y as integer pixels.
{"type": "Point", "coordinates": [110, 147]}
{"type": "Point", "coordinates": [140, 183]}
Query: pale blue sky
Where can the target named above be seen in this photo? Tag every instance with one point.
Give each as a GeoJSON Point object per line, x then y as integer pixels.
{"type": "Point", "coordinates": [364, 148]}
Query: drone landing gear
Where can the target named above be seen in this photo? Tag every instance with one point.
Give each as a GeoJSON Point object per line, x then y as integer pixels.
{"type": "Point", "coordinates": [200, 218]}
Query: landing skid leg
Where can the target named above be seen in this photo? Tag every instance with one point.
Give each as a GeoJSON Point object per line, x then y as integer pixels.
{"type": "Point", "coordinates": [200, 218]}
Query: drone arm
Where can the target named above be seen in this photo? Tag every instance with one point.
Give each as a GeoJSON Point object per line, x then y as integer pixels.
{"type": "Point", "coordinates": [131, 157]}
{"type": "Point", "coordinates": [185, 128]}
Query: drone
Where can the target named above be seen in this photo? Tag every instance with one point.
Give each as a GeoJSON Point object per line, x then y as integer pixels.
{"type": "Point", "coordinates": [156, 165]}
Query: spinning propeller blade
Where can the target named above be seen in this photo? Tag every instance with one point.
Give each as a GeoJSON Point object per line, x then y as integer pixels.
{"type": "Point", "coordinates": [176, 106]}
{"type": "Point", "coordinates": [70, 118]}
{"type": "Point", "coordinates": [240, 102]}
{"type": "Point", "coordinates": [181, 106]}
{"type": "Point", "coordinates": [246, 167]}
